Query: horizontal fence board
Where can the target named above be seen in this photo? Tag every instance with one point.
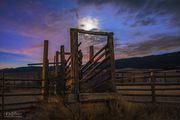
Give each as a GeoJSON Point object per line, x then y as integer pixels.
{"type": "Point", "coordinates": [140, 89]}
{"type": "Point", "coordinates": [21, 87]}
{"type": "Point", "coordinates": [16, 79]}
{"type": "Point", "coordinates": [21, 94]}
{"type": "Point", "coordinates": [137, 95]}
{"type": "Point", "coordinates": [157, 102]}
{"type": "Point", "coordinates": [165, 95]}
{"type": "Point", "coordinates": [133, 89]}
{"type": "Point", "coordinates": [20, 103]}
{"type": "Point", "coordinates": [147, 84]}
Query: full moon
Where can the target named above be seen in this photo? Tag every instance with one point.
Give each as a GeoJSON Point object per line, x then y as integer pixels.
{"type": "Point", "coordinates": [88, 23]}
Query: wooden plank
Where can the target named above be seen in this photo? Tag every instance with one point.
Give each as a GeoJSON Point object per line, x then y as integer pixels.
{"type": "Point", "coordinates": [131, 89]}
{"type": "Point", "coordinates": [24, 87]}
{"type": "Point", "coordinates": [23, 79]}
{"type": "Point", "coordinates": [96, 96]}
{"type": "Point", "coordinates": [170, 95]}
{"type": "Point", "coordinates": [33, 94]}
{"type": "Point", "coordinates": [166, 89]}
{"type": "Point", "coordinates": [147, 84]}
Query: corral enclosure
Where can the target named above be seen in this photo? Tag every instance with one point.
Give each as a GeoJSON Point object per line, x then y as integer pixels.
{"type": "Point", "coordinates": [23, 90]}
{"type": "Point", "coordinates": [94, 80]}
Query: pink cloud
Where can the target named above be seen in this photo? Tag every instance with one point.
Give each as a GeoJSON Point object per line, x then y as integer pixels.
{"type": "Point", "coordinates": [26, 51]}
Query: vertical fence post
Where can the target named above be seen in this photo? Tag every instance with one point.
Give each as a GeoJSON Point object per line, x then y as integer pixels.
{"type": "Point", "coordinates": [2, 90]}
{"type": "Point", "coordinates": [112, 60]}
{"type": "Point", "coordinates": [54, 65]}
{"type": "Point", "coordinates": [153, 87]}
{"type": "Point", "coordinates": [57, 63]}
{"type": "Point", "coordinates": [63, 62]}
{"type": "Point", "coordinates": [45, 81]}
{"type": "Point", "coordinates": [74, 63]}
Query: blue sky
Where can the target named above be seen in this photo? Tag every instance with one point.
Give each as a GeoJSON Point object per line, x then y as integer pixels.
{"type": "Point", "coordinates": [141, 27]}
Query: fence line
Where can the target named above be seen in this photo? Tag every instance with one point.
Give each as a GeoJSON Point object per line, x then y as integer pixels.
{"type": "Point", "coordinates": [17, 89]}
{"type": "Point", "coordinates": [126, 87]}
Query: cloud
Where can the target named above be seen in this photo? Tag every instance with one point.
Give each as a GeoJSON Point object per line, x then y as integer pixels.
{"type": "Point", "coordinates": [26, 51]}
{"type": "Point", "coordinates": [157, 44]}
{"type": "Point", "coordinates": [141, 9]}
{"type": "Point", "coordinates": [144, 22]}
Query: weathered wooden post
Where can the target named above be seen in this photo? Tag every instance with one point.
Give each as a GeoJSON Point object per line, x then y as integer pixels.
{"type": "Point", "coordinates": [63, 62]}
{"type": "Point", "coordinates": [91, 52]}
{"type": "Point", "coordinates": [57, 63]}
{"type": "Point", "coordinates": [153, 87]}
{"type": "Point", "coordinates": [74, 63]}
{"type": "Point", "coordinates": [54, 65]}
{"type": "Point", "coordinates": [45, 81]}
{"type": "Point", "coordinates": [2, 89]}
{"type": "Point", "coordinates": [112, 59]}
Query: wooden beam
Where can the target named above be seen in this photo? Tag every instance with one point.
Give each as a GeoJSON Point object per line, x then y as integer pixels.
{"type": "Point", "coordinates": [36, 64]}
{"type": "Point", "coordinates": [63, 62]}
{"type": "Point", "coordinates": [74, 61]}
{"type": "Point", "coordinates": [45, 82]}
{"type": "Point", "coordinates": [90, 32]}
{"type": "Point", "coordinates": [112, 59]}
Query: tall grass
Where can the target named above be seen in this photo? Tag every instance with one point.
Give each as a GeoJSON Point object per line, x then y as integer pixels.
{"type": "Point", "coordinates": [117, 109]}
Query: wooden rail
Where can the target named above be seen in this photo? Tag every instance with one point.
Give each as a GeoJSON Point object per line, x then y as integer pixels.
{"type": "Point", "coordinates": [149, 84]}
{"type": "Point", "coordinates": [18, 88]}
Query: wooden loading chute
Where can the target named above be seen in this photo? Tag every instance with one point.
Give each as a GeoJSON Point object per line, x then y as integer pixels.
{"type": "Point", "coordinates": [93, 80]}
{"type": "Point", "coordinates": [96, 77]}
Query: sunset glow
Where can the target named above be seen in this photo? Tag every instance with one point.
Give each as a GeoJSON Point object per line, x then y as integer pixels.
{"type": "Point", "coordinates": [137, 26]}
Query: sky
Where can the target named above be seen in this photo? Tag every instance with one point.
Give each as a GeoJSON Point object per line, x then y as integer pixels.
{"type": "Point", "coordinates": [140, 27]}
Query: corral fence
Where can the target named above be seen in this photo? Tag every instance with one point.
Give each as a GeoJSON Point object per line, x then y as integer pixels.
{"type": "Point", "coordinates": [153, 86]}
{"type": "Point", "coordinates": [19, 92]}
{"type": "Point", "coordinates": [94, 79]}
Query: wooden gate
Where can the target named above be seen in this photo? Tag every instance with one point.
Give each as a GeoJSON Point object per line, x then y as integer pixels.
{"type": "Point", "coordinates": [96, 77]}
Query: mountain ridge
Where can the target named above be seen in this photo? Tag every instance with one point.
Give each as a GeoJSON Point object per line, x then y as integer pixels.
{"type": "Point", "coordinates": [164, 61]}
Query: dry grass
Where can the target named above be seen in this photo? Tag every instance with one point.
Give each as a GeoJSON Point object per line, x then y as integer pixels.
{"type": "Point", "coordinates": [117, 109]}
